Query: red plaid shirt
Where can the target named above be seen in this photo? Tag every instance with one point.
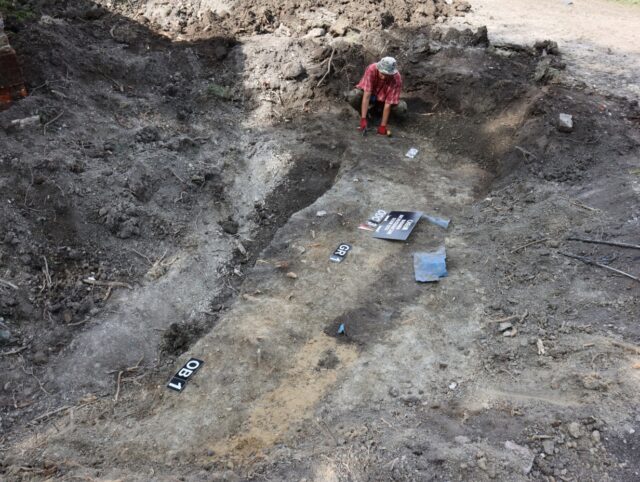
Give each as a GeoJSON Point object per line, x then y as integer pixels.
{"type": "Point", "coordinates": [386, 90]}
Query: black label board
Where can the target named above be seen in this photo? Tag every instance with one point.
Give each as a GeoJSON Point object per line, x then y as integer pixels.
{"type": "Point", "coordinates": [340, 253]}
{"type": "Point", "coordinates": [397, 225]}
{"type": "Point", "coordinates": [179, 380]}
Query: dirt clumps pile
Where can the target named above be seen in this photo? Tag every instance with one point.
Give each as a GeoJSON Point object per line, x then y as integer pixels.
{"type": "Point", "coordinates": [243, 17]}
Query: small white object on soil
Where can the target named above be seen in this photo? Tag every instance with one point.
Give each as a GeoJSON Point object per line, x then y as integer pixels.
{"type": "Point", "coordinates": [565, 123]}
{"type": "Point", "coordinates": [321, 214]}
{"type": "Point", "coordinates": [453, 386]}
{"type": "Point", "coordinates": [412, 153]}
{"type": "Point", "coordinates": [574, 429]}
{"type": "Point", "coordinates": [504, 326]}
{"type": "Point", "coordinates": [316, 32]}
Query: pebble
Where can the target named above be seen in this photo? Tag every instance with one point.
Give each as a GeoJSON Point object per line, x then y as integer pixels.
{"type": "Point", "coordinates": [316, 32]}
{"type": "Point", "coordinates": [394, 392]}
{"type": "Point", "coordinates": [565, 123]}
{"type": "Point", "coordinates": [574, 429]}
{"type": "Point", "coordinates": [293, 70]}
{"type": "Point", "coordinates": [482, 463]}
{"type": "Point", "coordinates": [504, 326]}
{"type": "Point", "coordinates": [321, 214]}
{"type": "Point", "coordinates": [595, 435]}
{"type": "Point", "coordinates": [549, 447]}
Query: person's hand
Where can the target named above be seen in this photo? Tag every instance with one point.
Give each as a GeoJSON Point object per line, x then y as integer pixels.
{"type": "Point", "coordinates": [382, 130]}
{"type": "Point", "coordinates": [363, 124]}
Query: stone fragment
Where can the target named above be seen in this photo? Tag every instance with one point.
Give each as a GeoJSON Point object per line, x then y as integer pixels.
{"type": "Point", "coordinates": [595, 436]}
{"type": "Point", "coordinates": [574, 430]}
{"type": "Point", "coordinates": [565, 123]}
{"type": "Point", "coordinates": [316, 32]}
{"type": "Point", "coordinates": [504, 326]}
{"type": "Point", "coordinates": [339, 27]}
{"type": "Point", "coordinates": [293, 70]}
{"type": "Point", "coordinates": [549, 447]}
{"type": "Point", "coordinates": [524, 456]}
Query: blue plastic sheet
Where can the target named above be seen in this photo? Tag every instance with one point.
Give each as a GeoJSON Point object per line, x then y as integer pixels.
{"type": "Point", "coordinates": [442, 222]}
{"type": "Point", "coordinates": [430, 266]}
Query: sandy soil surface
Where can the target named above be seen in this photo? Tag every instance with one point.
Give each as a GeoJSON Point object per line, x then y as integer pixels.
{"type": "Point", "coordinates": [600, 39]}
{"type": "Point", "coordinates": [187, 202]}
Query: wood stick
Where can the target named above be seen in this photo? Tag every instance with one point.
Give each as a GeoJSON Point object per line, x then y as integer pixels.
{"type": "Point", "coordinates": [333, 51]}
{"type": "Point", "coordinates": [525, 152]}
{"type": "Point", "coordinates": [110, 284]}
{"type": "Point", "coordinates": [9, 284]}
{"type": "Point", "coordinates": [589, 261]}
{"type": "Point", "coordinates": [14, 351]}
{"type": "Point", "coordinates": [48, 414]}
{"type": "Point", "coordinates": [528, 244]}
{"type": "Point", "coordinates": [47, 275]}
{"type": "Point", "coordinates": [584, 206]}
{"type": "Point", "coordinates": [626, 346]}
{"type": "Point", "coordinates": [504, 320]}
{"type": "Point", "coordinates": [608, 243]}
{"type": "Point", "coordinates": [44, 129]}
{"type": "Point", "coordinates": [115, 400]}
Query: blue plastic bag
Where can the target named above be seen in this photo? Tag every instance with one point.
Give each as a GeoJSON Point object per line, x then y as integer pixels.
{"type": "Point", "coordinates": [430, 266]}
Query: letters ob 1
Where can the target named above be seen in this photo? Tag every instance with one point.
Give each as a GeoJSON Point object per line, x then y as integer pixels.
{"type": "Point", "coordinates": [179, 380]}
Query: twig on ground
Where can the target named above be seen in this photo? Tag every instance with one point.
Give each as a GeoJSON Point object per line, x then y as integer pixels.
{"type": "Point", "coordinates": [584, 206]}
{"type": "Point", "coordinates": [599, 265]}
{"type": "Point", "coordinates": [525, 153]}
{"type": "Point", "coordinates": [627, 346]}
{"type": "Point", "coordinates": [333, 51]}
{"type": "Point", "coordinates": [44, 129]}
{"type": "Point", "coordinates": [15, 351]}
{"type": "Point", "coordinates": [608, 243]}
{"type": "Point", "coordinates": [514, 250]}
{"type": "Point", "coordinates": [177, 177]}
{"type": "Point", "coordinates": [115, 399]}
{"type": "Point", "coordinates": [508, 318]}
{"type": "Point", "coordinates": [47, 275]}
{"type": "Point", "coordinates": [24, 369]}
{"type": "Point", "coordinates": [110, 284]}
{"type": "Point", "coordinates": [142, 255]}
{"type": "Point", "coordinates": [389, 424]}
{"type": "Point", "coordinates": [8, 284]}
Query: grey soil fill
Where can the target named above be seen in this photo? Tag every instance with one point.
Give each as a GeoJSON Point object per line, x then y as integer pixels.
{"type": "Point", "coordinates": [165, 207]}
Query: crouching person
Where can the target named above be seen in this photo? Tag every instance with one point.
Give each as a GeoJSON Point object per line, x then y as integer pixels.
{"type": "Point", "coordinates": [379, 89]}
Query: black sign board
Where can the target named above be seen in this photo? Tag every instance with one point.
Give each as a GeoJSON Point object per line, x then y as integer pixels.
{"type": "Point", "coordinates": [397, 225]}
{"type": "Point", "coordinates": [179, 380]}
{"type": "Point", "coordinates": [377, 218]}
{"type": "Point", "coordinates": [340, 253]}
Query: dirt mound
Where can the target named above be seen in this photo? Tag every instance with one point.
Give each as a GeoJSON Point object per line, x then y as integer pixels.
{"type": "Point", "coordinates": [245, 17]}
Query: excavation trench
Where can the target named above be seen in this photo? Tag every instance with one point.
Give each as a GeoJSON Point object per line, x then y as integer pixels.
{"type": "Point", "coordinates": [220, 185]}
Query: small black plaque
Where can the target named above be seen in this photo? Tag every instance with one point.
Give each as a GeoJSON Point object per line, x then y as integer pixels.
{"type": "Point", "coordinates": [179, 380]}
{"type": "Point", "coordinates": [340, 253]}
{"type": "Point", "coordinates": [397, 225]}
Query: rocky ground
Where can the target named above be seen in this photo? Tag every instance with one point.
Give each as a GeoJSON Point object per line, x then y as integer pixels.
{"type": "Point", "coordinates": [193, 168]}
